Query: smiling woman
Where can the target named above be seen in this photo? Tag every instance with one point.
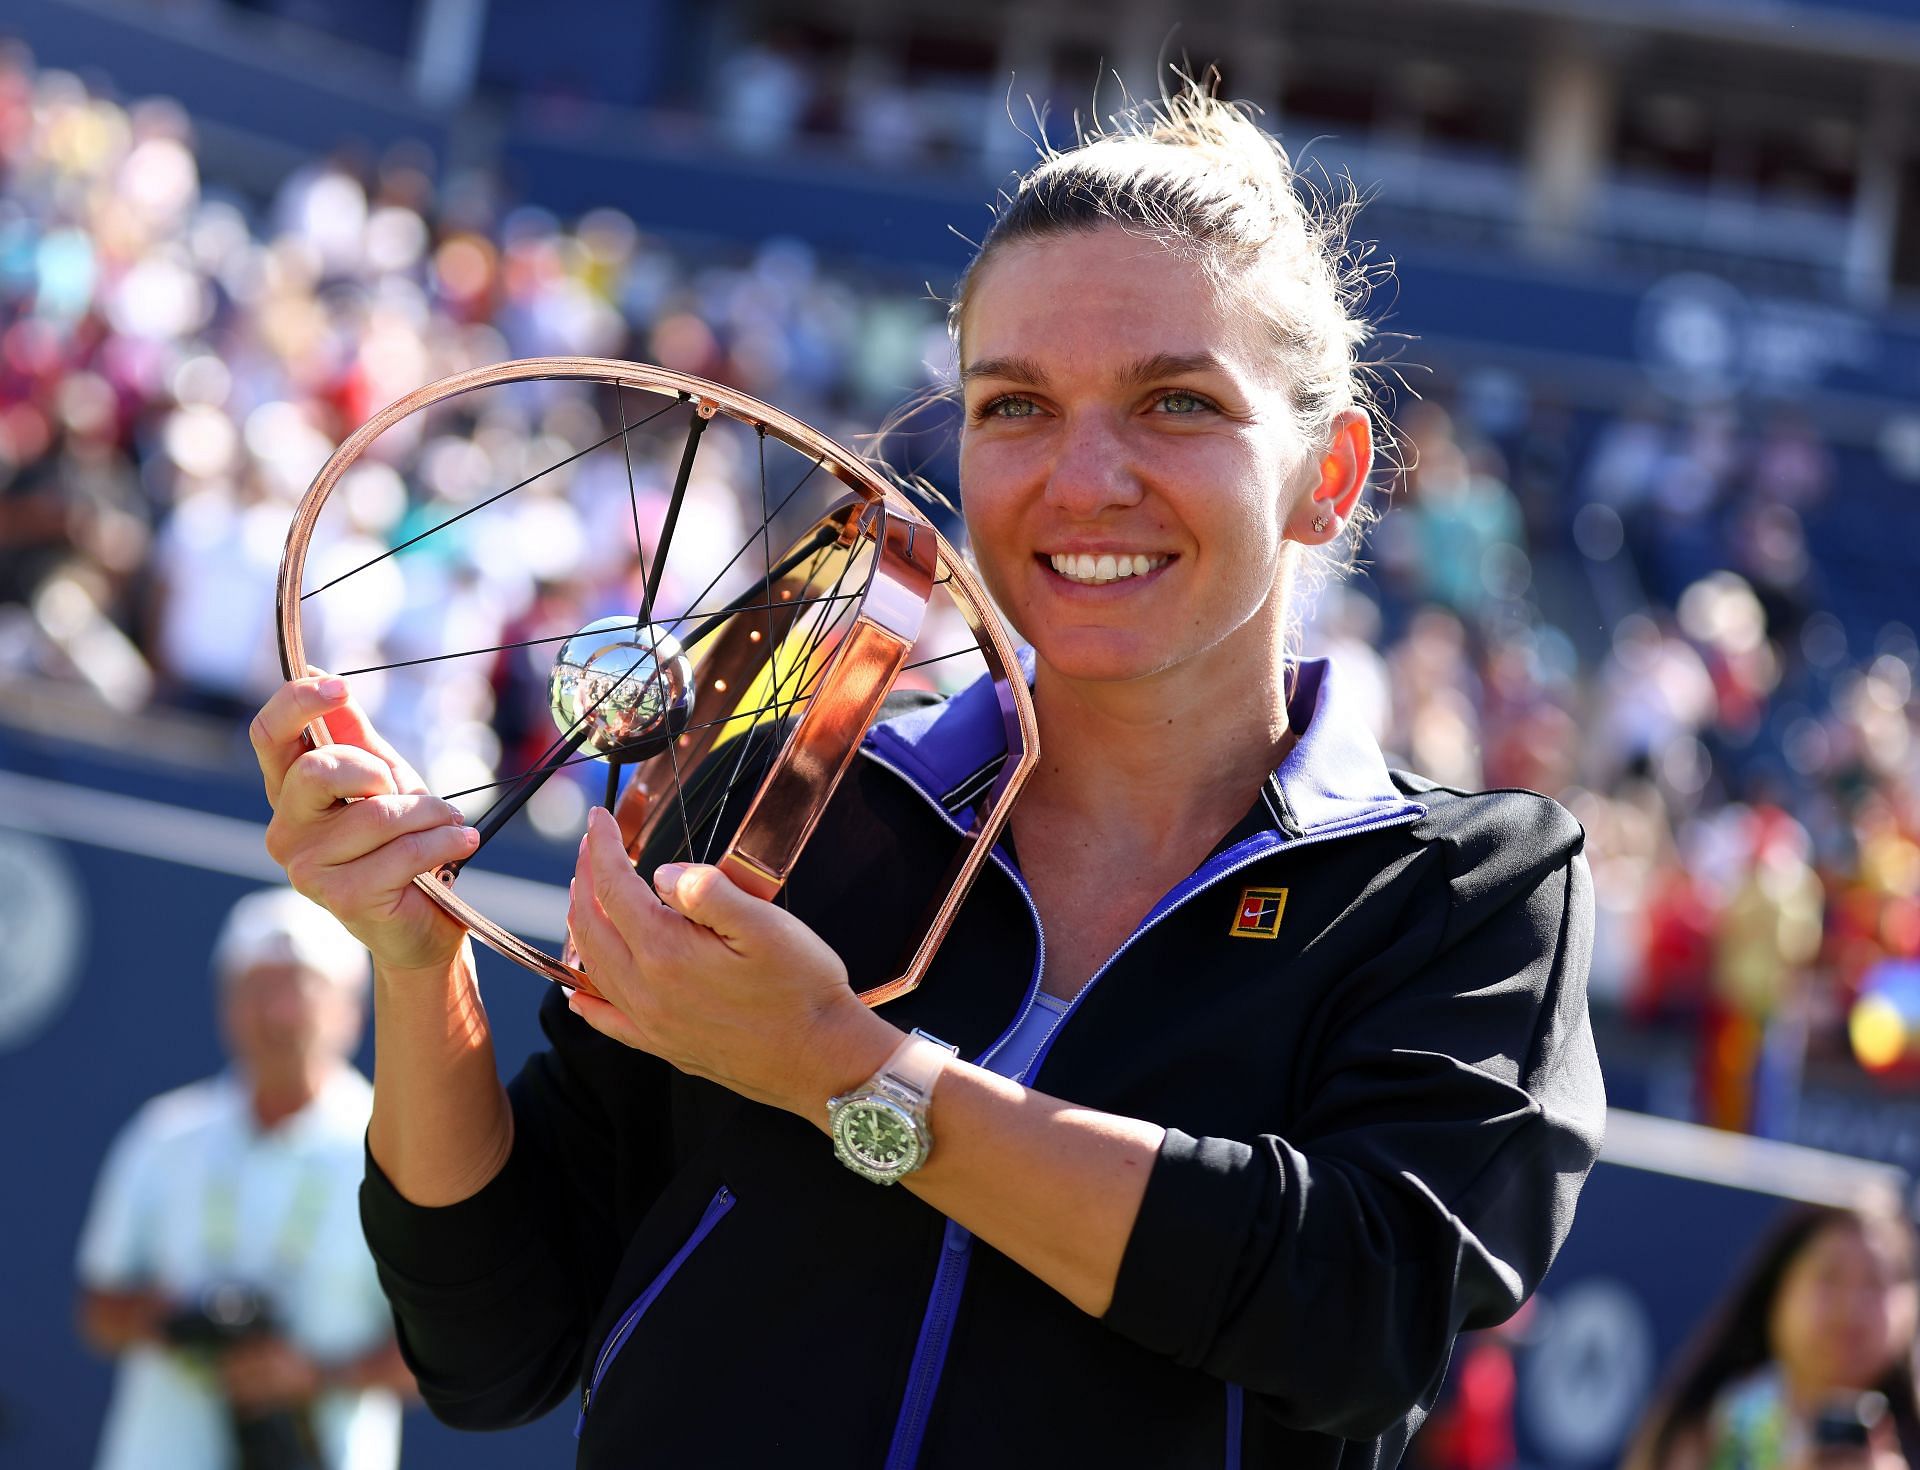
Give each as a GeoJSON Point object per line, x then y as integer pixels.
{"type": "Point", "coordinates": [1248, 1074]}
{"type": "Point", "coordinates": [1148, 419]}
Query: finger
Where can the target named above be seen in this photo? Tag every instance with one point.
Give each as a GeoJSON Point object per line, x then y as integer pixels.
{"type": "Point", "coordinates": [278, 732]}
{"type": "Point", "coordinates": [608, 1020]}
{"type": "Point", "coordinates": [347, 834]}
{"type": "Point", "coordinates": [603, 950]}
{"type": "Point", "coordinates": [322, 778]}
{"type": "Point", "coordinates": [708, 897]}
{"type": "Point", "coordinates": [608, 871]}
{"type": "Point", "coordinates": [375, 884]}
{"type": "Point", "coordinates": [349, 724]}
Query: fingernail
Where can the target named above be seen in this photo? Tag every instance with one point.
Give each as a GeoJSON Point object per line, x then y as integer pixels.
{"type": "Point", "coordinates": [332, 688]}
{"type": "Point", "coordinates": [666, 879]}
{"type": "Point", "coordinates": [470, 836]}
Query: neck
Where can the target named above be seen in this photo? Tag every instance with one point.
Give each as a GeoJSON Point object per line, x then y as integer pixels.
{"type": "Point", "coordinates": [1160, 757]}
{"type": "Point", "coordinates": [278, 1093]}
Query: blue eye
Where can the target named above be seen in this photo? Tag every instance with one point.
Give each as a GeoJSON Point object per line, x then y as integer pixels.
{"type": "Point", "coordinates": [1008, 408]}
{"type": "Point", "coordinates": [1183, 403]}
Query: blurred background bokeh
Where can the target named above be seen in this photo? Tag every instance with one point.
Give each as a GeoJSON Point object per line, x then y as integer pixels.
{"type": "Point", "coordinates": [1650, 341]}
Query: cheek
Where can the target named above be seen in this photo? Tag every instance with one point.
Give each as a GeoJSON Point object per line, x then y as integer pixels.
{"type": "Point", "coordinates": [988, 505]}
{"type": "Point", "coordinates": [1254, 492]}
{"type": "Point", "coordinates": [993, 468]}
{"type": "Point", "coordinates": [1790, 1322]}
{"type": "Point", "coordinates": [1903, 1313]}
{"type": "Point", "coordinates": [1245, 517]}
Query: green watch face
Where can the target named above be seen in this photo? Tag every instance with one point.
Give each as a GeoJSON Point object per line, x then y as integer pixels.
{"type": "Point", "coordinates": [879, 1135]}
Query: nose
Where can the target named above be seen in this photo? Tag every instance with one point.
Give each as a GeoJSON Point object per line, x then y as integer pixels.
{"type": "Point", "coordinates": [1092, 471]}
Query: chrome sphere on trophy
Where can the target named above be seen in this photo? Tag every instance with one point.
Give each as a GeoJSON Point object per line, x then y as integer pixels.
{"type": "Point", "coordinates": [626, 684]}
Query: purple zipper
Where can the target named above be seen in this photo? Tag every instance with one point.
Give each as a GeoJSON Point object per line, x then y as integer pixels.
{"type": "Point", "coordinates": [722, 1201]}
{"type": "Point", "coordinates": [930, 1354]}
{"type": "Point", "coordinates": [1236, 1408]}
{"type": "Point", "coordinates": [936, 1326]}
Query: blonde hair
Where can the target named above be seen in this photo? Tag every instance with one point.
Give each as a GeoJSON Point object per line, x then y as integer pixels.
{"type": "Point", "coordinates": [1199, 175]}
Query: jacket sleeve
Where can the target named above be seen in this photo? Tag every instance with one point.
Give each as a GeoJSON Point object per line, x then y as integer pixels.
{"type": "Point", "coordinates": [1452, 1115]}
{"type": "Point", "coordinates": [493, 1297]}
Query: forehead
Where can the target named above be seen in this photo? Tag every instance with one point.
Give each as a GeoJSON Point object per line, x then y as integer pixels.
{"type": "Point", "coordinates": [1091, 298]}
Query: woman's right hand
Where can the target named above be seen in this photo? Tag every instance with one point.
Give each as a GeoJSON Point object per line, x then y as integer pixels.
{"type": "Point", "coordinates": [353, 825]}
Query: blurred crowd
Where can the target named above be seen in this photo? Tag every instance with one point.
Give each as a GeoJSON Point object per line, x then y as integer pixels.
{"type": "Point", "coordinates": [778, 91]}
{"type": "Point", "coordinates": [176, 363]}
{"type": "Point", "coordinates": [1745, 765]}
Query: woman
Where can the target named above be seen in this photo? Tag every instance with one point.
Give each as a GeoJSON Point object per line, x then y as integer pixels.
{"type": "Point", "coordinates": [1250, 1073]}
{"type": "Point", "coordinates": [1825, 1313]}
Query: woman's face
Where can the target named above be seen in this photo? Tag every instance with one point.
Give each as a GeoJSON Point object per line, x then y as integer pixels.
{"type": "Point", "coordinates": [1130, 461]}
{"type": "Point", "coordinates": [1847, 1307]}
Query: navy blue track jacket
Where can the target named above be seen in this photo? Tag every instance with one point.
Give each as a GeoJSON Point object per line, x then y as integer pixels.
{"type": "Point", "coordinates": [1362, 1021]}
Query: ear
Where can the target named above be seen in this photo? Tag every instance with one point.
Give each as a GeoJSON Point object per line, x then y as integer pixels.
{"type": "Point", "coordinates": [1344, 466]}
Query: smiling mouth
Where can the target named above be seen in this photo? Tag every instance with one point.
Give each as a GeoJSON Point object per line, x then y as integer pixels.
{"type": "Point", "coordinates": [1087, 570]}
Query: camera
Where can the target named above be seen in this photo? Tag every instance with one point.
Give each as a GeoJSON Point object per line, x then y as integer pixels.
{"type": "Point", "coordinates": [226, 1314]}
{"type": "Point", "coordinates": [1847, 1424]}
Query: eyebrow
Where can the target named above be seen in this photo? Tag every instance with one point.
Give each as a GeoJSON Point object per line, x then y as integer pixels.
{"type": "Point", "coordinates": [1146, 370]}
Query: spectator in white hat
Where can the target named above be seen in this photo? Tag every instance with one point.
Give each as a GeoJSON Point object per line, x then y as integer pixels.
{"type": "Point", "coordinates": [222, 1262]}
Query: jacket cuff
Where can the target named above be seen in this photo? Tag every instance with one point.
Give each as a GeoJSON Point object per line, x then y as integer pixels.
{"type": "Point", "coordinates": [1200, 1199]}
{"type": "Point", "coordinates": [438, 1246]}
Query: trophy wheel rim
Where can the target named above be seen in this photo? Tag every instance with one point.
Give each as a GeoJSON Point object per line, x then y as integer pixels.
{"type": "Point", "coordinates": [905, 564]}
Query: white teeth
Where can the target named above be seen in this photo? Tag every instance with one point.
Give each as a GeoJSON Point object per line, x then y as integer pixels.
{"type": "Point", "coordinates": [1109, 567]}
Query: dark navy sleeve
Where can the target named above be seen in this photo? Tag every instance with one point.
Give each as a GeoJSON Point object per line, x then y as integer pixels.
{"type": "Point", "coordinates": [493, 1296]}
{"type": "Point", "coordinates": [1432, 1177]}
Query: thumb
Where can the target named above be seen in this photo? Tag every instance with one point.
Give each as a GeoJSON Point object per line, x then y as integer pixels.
{"type": "Point", "coordinates": [708, 897]}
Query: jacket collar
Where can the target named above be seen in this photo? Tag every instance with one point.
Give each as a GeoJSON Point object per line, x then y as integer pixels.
{"type": "Point", "coordinates": [1333, 779]}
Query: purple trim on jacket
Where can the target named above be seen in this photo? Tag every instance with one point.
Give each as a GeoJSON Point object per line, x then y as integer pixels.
{"type": "Point", "coordinates": [1334, 776]}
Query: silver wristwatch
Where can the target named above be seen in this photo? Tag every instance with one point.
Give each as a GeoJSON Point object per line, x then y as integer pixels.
{"type": "Point", "coordinates": [880, 1128]}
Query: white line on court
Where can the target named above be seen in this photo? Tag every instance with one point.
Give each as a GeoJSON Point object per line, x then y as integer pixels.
{"type": "Point", "coordinates": [177, 834]}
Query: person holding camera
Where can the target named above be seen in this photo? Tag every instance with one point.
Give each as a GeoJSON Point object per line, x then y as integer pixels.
{"type": "Point", "coordinates": [222, 1262]}
{"type": "Point", "coordinates": [1809, 1362]}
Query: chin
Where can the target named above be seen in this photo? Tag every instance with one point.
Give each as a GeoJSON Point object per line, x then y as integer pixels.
{"type": "Point", "coordinates": [1101, 658]}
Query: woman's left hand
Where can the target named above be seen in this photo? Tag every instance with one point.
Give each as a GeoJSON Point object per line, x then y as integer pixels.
{"type": "Point", "coordinates": [721, 984]}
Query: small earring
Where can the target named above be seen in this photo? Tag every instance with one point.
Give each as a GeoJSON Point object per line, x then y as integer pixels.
{"type": "Point", "coordinates": [1319, 523]}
